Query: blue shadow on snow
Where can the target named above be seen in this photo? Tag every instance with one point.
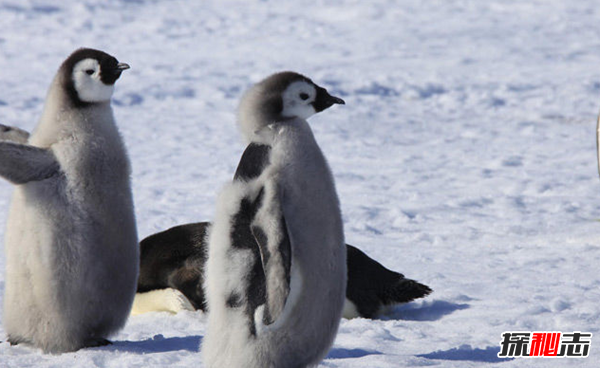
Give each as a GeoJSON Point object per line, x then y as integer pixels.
{"type": "Point", "coordinates": [340, 353]}
{"type": "Point", "coordinates": [157, 344]}
{"type": "Point", "coordinates": [427, 311]}
{"type": "Point", "coordinates": [467, 353]}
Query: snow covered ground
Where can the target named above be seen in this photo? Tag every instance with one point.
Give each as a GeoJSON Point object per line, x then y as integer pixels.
{"type": "Point", "coordinates": [464, 158]}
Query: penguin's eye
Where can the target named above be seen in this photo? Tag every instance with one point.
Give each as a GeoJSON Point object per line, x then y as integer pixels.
{"type": "Point", "coordinates": [89, 71]}
{"type": "Point", "coordinates": [304, 96]}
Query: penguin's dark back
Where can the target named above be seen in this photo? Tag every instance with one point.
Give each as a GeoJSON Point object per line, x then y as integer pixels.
{"type": "Point", "coordinates": [175, 258]}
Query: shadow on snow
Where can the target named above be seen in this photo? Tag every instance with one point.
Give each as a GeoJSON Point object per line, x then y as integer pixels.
{"type": "Point", "coordinates": [467, 353]}
{"type": "Point", "coordinates": [339, 353]}
{"type": "Point", "coordinates": [158, 344]}
{"type": "Point", "coordinates": [426, 311]}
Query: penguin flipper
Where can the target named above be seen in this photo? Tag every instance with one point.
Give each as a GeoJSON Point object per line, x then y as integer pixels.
{"type": "Point", "coordinates": [253, 162]}
{"type": "Point", "coordinates": [21, 163]}
{"type": "Point", "coordinates": [276, 257]}
{"type": "Point", "coordinates": [13, 134]}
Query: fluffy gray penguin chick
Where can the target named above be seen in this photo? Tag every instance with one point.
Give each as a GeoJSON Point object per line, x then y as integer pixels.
{"type": "Point", "coordinates": [71, 241]}
{"type": "Point", "coordinates": [278, 304]}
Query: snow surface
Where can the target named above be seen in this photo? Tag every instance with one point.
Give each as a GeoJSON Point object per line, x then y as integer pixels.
{"type": "Point", "coordinates": [464, 158]}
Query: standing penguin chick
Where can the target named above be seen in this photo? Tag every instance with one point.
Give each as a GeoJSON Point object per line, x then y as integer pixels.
{"type": "Point", "coordinates": [278, 304]}
{"type": "Point", "coordinates": [71, 240]}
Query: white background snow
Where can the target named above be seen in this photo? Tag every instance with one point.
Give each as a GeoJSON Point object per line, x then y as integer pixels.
{"type": "Point", "coordinates": [464, 158]}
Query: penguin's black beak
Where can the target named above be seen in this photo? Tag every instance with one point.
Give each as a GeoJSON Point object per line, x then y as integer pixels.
{"type": "Point", "coordinates": [122, 66]}
{"type": "Point", "coordinates": [110, 73]}
{"type": "Point", "coordinates": [324, 100]}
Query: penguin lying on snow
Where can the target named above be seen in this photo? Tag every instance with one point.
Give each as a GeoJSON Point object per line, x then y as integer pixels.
{"type": "Point", "coordinates": [277, 244]}
{"type": "Point", "coordinates": [71, 243]}
{"type": "Point", "coordinates": [172, 268]}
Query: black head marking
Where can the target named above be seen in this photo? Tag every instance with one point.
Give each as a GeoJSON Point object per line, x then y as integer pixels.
{"type": "Point", "coordinates": [110, 71]}
{"type": "Point", "coordinates": [275, 85]}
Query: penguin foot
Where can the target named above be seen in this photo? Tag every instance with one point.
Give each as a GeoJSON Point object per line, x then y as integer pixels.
{"type": "Point", "coordinates": [373, 289]}
{"type": "Point", "coordinates": [163, 300]}
{"type": "Point", "coordinates": [176, 301]}
{"type": "Point", "coordinates": [404, 291]}
{"type": "Point", "coordinates": [372, 303]}
{"type": "Point", "coordinates": [97, 342]}
{"type": "Point", "coordinates": [13, 341]}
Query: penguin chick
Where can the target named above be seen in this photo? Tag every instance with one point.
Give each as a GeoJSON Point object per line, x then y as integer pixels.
{"type": "Point", "coordinates": [71, 241]}
{"type": "Point", "coordinates": [277, 305]}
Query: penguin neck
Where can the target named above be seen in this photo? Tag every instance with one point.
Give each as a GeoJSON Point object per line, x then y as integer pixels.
{"type": "Point", "coordinates": [268, 134]}
{"type": "Point", "coordinates": [62, 117]}
{"type": "Point", "coordinates": [257, 114]}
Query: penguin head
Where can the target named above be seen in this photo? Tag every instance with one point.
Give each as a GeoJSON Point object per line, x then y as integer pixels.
{"type": "Point", "coordinates": [282, 96]}
{"type": "Point", "coordinates": [89, 76]}
{"type": "Point", "coordinates": [302, 98]}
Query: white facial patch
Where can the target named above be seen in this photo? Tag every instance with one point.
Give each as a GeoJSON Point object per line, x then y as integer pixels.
{"type": "Point", "coordinates": [297, 100]}
{"type": "Point", "coordinates": [89, 87]}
